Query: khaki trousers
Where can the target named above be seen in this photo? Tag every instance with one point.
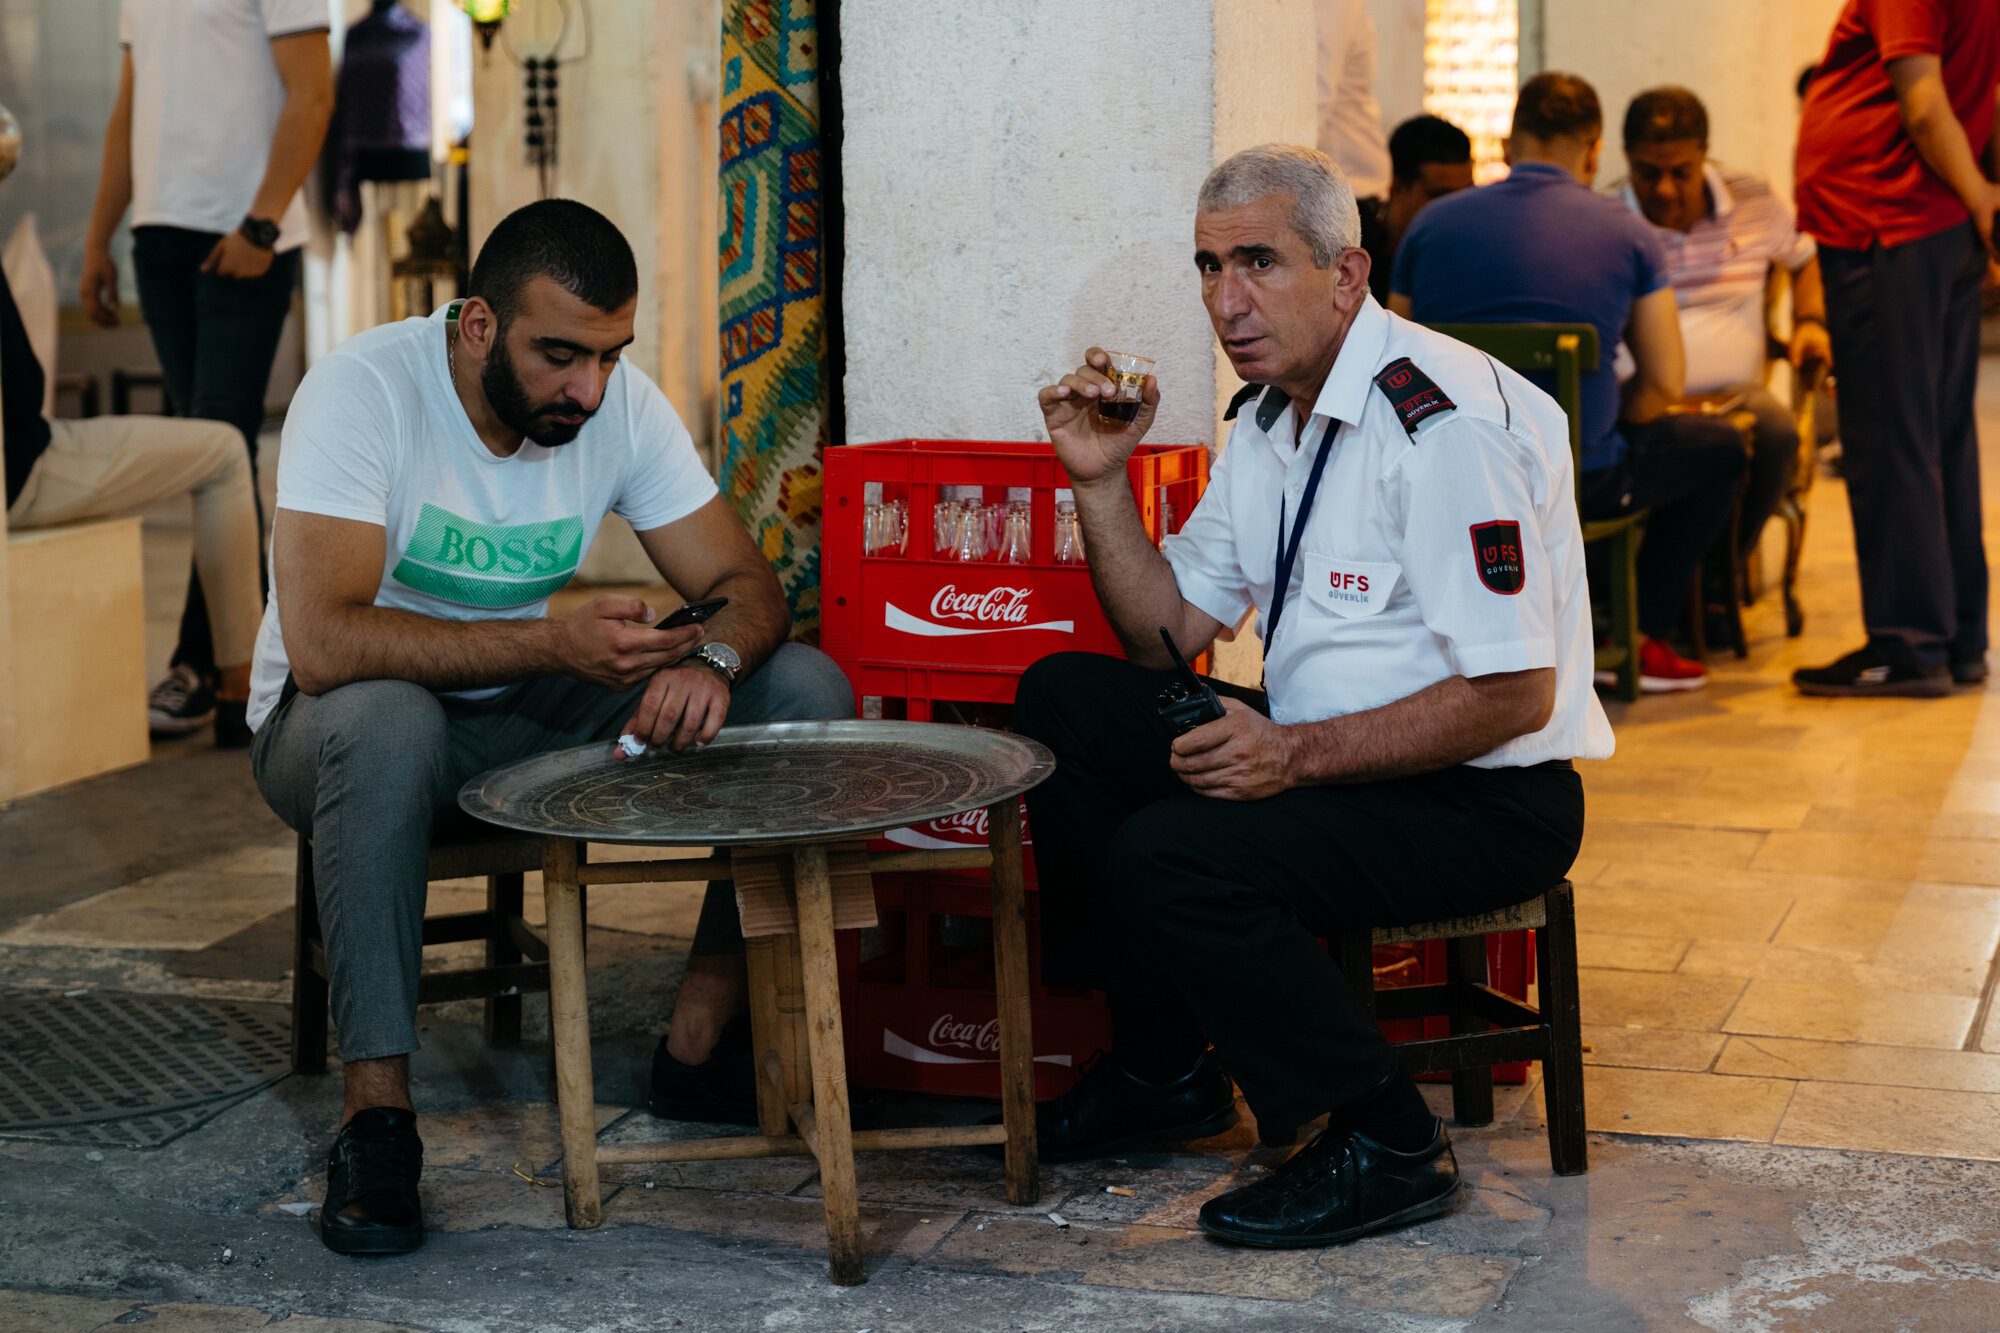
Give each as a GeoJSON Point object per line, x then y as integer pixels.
{"type": "Point", "coordinates": [108, 465]}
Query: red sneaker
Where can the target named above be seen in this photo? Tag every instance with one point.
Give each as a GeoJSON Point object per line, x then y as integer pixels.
{"type": "Point", "coordinates": [1663, 671]}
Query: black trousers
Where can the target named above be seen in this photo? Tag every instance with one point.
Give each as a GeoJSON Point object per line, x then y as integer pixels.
{"type": "Point", "coordinates": [216, 338]}
{"type": "Point", "coordinates": [1904, 320]}
{"type": "Point", "coordinates": [1686, 469]}
{"type": "Point", "coordinates": [1207, 915]}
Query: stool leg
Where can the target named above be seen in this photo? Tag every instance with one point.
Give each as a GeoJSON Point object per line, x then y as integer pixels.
{"type": "Point", "coordinates": [1010, 979]}
{"type": "Point", "coordinates": [569, 1023]}
{"type": "Point", "coordinates": [308, 986]}
{"type": "Point", "coordinates": [1471, 1089]}
{"type": "Point", "coordinates": [1354, 951]}
{"type": "Point", "coordinates": [829, 1066]}
{"type": "Point", "coordinates": [1562, 1067]}
{"type": "Point", "coordinates": [766, 1031]}
{"type": "Point", "coordinates": [504, 895]}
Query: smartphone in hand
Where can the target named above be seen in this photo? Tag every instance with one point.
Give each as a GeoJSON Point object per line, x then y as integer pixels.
{"type": "Point", "coordinates": [693, 613]}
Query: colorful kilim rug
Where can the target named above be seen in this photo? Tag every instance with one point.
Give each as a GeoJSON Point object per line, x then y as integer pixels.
{"type": "Point", "coordinates": [774, 364]}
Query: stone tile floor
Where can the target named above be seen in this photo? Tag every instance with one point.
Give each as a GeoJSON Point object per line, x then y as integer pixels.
{"type": "Point", "coordinates": [1790, 911]}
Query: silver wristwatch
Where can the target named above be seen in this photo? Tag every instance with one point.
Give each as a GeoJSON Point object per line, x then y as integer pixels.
{"type": "Point", "coordinates": [722, 657]}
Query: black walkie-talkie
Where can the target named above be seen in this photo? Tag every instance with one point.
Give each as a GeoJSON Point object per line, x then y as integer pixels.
{"type": "Point", "coordinates": [1187, 702]}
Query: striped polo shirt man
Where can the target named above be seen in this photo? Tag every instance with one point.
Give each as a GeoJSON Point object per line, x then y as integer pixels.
{"type": "Point", "coordinates": [1718, 268]}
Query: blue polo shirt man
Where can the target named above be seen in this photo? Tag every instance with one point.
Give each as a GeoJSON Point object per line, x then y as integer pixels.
{"type": "Point", "coordinates": [1541, 247]}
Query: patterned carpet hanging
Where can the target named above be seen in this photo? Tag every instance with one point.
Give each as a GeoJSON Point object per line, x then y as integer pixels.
{"type": "Point", "coordinates": [774, 362]}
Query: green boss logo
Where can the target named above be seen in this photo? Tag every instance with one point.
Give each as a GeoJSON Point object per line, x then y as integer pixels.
{"type": "Point", "coordinates": [479, 564]}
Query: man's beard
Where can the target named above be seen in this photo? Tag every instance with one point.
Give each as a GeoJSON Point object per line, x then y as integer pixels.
{"type": "Point", "coordinates": [508, 398]}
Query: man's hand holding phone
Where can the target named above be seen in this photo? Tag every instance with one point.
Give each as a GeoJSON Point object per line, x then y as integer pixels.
{"type": "Point", "coordinates": [597, 642]}
{"type": "Point", "coordinates": [687, 705]}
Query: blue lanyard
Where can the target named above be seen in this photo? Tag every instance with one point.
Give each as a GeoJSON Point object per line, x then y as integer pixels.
{"type": "Point", "coordinates": [1288, 552]}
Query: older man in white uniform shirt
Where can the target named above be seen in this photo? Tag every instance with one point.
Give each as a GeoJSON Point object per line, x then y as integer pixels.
{"type": "Point", "coordinates": [1400, 513]}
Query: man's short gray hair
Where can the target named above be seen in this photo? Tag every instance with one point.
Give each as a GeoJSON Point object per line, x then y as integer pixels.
{"type": "Point", "coordinates": [1324, 216]}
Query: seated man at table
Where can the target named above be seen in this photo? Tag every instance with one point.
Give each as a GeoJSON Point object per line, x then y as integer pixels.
{"type": "Point", "coordinates": [1722, 233]}
{"type": "Point", "coordinates": [1429, 158]}
{"type": "Point", "coordinates": [439, 479]}
{"type": "Point", "coordinates": [1541, 248]}
{"type": "Point", "coordinates": [1411, 760]}
{"type": "Point", "coordinates": [62, 471]}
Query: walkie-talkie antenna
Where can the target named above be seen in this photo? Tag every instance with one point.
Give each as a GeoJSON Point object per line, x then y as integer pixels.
{"type": "Point", "coordinates": [1180, 663]}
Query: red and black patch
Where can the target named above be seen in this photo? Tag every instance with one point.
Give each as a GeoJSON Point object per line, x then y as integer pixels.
{"type": "Point", "coordinates": [1415, 397]}
{"type": "Point", "coordinates": [1496, 554]}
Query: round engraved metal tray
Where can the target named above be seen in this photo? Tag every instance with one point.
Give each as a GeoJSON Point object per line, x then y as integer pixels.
{"type": "Point", "coordinates": [778, 782]}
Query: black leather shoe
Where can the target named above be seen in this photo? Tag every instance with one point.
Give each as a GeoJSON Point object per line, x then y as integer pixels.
{"type": "Point", "coordinates": [1110, 1110]}
{"type": "Point", "coordinates": [1339, 1186]}
{"type": "Point", "coordinates": [1968, 670]}
{"type": "Point", "coordinates": [721, 1090]}
{"type": "Point", "coordinates": [371, 1185]}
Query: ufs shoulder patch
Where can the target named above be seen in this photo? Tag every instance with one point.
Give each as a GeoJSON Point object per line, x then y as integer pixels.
{"type": "Point", "coordinates": [1415, 397]}
{"type": "Point", "coordinates": [1496, 554]}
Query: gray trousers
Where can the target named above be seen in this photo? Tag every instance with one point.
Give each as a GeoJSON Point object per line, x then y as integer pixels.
{"type": "Point", "coordinates": [364, 769]}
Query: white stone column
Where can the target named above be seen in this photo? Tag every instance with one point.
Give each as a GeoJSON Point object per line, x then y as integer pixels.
{"type": "Point", "coordinates": [1020, 182]}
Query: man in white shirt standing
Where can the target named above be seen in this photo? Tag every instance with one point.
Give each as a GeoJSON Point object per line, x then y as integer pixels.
{"type": "Point", "coordinates": [440, 478]}
{"type": "Point", "coordinates": [1722, 232]}
{"type": "Point", "coordinates": [221, 108]}
{"type": "Point", "coordinates": [1350, 121]}
{"type": "Point", "coordinates": [1400, 513]}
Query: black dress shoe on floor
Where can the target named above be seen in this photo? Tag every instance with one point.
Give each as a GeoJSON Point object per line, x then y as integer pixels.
{"type": "Point", "coordinates": [1968, 670]}
{"type": "Point", "coordinates": [721, 1090]}
{"type": "Point", "coordinates": [1110, 1109]}
{"type": "Point", "coordinates": [1865, 673]}
{"type": "Point", "coordinates": [371, 1185]}
{"type": "Point", "coordinates": [1339, 1186]}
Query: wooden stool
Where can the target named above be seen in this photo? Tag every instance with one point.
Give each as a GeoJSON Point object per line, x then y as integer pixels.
{"type": "Point", "coordinates": [1551, 1033]}
{"type": "Point", "coordinates": [516, 954]}
{"type": "Point", "coordinates": [792, 899]}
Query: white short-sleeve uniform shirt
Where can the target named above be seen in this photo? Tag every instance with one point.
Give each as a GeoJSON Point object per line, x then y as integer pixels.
{"type": "Point", "coordinates": [1450, 548]}
{"type": "Point", "coordinates": [205, 102]}
{"type": "Point", "coordinates": [376, 434]}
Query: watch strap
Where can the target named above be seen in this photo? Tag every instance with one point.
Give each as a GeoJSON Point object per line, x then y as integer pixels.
{"type": "Point", "coordinates": [260, 232]}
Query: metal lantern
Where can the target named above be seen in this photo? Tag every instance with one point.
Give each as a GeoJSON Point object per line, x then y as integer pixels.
{"type": "Point", "coordinates": [485, 16]}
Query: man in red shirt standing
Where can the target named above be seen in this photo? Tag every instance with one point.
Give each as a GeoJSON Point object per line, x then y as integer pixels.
{"type": "Point", "coordinates": [1896, 119]}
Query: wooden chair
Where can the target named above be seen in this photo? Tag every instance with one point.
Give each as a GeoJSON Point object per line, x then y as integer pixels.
{"type": "Point", "coordinates": [1550, 1031]}
{"type": "Point", "coordinates": [516, 954]}
{"type": "Point", "coordinates": [1792, 509]}
{"type": "Point", "coordinates": [1569, 351]}
{"type": "Point", "coordinates": [1806, 385]}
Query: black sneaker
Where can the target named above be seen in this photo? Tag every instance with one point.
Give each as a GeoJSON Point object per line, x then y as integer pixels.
{"type": "Point", "coordinates": [1111, 1109]}
{"type": "Point", "coordinates": [721, 1090]}
{"type": "Point", "coordinates": [182, 702]}
{"type": "Point", "coordinates": [1865, 673]}
{"type": "Point", "coordinates": [371, 1185]}
{"type": "Point", "coordinates": [1968, 670]}
{"type": "Point", "coordinates": [1340, 1186]}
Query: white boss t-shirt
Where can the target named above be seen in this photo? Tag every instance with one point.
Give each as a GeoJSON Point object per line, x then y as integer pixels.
{"type": "Point", "coordinates": [377, 434]}
{"type": "Point", "coordinates": [205, 102]}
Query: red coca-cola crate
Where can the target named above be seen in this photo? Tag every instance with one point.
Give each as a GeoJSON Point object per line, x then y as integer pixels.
{"type": "Point", "coordinates": [1510, 966]}
{"type": "Point", "coordinates": [956, 833]}
{"type": "Point", "coordinates": [917, 999]}
{"type": "Point", "coordinates": [898, 622]}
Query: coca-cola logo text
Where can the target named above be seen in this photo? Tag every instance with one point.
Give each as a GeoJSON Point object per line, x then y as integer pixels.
{"type": "Point", "coordinates": [1006, 606]}
{"type": "Point", "coordinates": [983, 1037]}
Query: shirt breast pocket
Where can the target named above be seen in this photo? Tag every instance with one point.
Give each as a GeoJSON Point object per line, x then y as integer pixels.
{"type": "Point", "coordinates": [1348, 588]}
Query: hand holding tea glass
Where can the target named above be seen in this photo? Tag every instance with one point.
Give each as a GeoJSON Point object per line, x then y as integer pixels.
{"type": "Point", "coordinates": [1091, 442]}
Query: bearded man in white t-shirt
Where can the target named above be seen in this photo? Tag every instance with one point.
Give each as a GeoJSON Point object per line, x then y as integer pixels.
{"type": "Point", "coordinates": [440, 478]}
